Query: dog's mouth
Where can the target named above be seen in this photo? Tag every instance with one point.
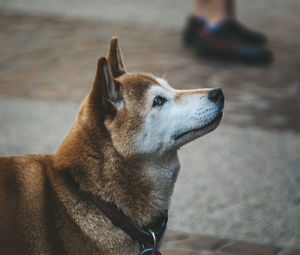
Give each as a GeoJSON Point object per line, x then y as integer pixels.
{"type": "Point", "coordinates": [213, 122]}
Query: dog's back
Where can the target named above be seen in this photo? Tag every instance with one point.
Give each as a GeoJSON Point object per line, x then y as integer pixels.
{"type": "Point", "coordinates": [23, 191]}
{"type": "Point", "coordinates": [32, 218]}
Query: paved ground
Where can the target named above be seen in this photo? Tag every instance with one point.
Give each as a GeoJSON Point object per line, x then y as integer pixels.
{"type": "Point", "coordinates": [179, 243]}
{"type": "Point", "coordinates": [241, 182]}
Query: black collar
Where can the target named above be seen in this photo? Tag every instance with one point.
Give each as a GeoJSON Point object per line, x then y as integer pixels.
{"type": "Point", "coordinates": [122, 221]}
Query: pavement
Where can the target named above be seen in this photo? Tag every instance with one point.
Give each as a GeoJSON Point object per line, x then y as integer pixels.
{"type": "Point", "coordinates": [179, 243]}
{"type": "Point", "coordinates": [240, 183]}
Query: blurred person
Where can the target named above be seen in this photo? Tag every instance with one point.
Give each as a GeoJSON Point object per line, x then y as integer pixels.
{"type": "Point", "coordinates": [213, 30]}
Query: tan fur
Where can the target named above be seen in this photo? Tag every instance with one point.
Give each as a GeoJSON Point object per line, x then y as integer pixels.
{"type": "Point", "coordinates": [41, 213]}
{"type": "Point", "coordinates": [184, 93]}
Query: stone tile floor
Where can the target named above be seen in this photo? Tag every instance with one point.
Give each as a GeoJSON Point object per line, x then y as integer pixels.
{"type": "Point", "coordinates": [53, 58]}
{"type": "Point", "coordinates": [178, 243]}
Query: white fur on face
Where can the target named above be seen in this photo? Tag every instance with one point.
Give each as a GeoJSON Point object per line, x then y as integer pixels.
{"type": "Point", "coordinates": [187, 115]}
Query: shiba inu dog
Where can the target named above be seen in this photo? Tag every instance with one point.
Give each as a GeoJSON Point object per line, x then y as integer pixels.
{"type": "Point", "coordinates": [107, 188]}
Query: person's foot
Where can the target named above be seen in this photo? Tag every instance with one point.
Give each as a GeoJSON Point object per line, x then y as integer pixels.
{"type": "Point", "coordinates": [219, 42]}
{"type": "Point", "coordinates": [233, 29]}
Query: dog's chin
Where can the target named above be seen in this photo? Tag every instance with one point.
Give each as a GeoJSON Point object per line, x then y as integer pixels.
{"type": "Point", "coordinates": [190, 135]}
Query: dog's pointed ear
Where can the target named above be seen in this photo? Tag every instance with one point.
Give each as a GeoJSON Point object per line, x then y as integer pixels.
{"type": "Point", "coordinates": [115, 58]}
{"type": "Point", "coordinates": [106, 90]}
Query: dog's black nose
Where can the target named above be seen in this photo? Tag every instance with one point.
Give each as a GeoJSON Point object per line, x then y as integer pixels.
{"type": "Point", "coordinates": [216, 94]}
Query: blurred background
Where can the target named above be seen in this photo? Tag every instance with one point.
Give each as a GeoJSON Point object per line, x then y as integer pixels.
{"type": "Point", "coordinates": [243, 180]}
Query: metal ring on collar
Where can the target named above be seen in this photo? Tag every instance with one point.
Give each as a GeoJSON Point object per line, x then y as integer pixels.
{"type": "Point", "coordinates": [151, 251]}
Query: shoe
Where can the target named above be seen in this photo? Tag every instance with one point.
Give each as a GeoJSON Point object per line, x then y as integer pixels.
{"type": "Point", "coordinates": [236, 30]}
{"type": "Point", "coordinates": [191, 31]}
{"type": "Point", "coordinates": [214, 43]}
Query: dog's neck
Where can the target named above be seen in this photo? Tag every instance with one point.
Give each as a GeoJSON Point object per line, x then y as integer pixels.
{"type": "Point", "coordinates": [140, 186]}
{"type": "Point", "coordinates": [163, 171]}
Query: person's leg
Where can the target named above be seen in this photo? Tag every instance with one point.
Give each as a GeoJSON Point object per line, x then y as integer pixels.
{"type": "Point", "coordinates": [220, 14]}
{"type": "Point", "coordinates": [213, 29]}
{"type": "Point", "coordinates": [213, 10]}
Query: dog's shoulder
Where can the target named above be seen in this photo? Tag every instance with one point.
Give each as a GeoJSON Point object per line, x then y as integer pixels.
{"type": "Point", "coordinates": [24, 164]}
{"type": "Point", "coordinates": [22, 175]}
{"type": "Point", "coordinates": [24, 195]}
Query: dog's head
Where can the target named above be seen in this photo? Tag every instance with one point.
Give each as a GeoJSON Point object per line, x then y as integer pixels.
{"type": "Point", "coordinates": [143, 114]}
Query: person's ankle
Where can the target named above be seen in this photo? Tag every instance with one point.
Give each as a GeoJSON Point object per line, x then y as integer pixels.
{"type": "Point", "coordinates": [211, 23]}
{"type": "Point", "coordinates": [213, 26]}
{"type": "Point", "coordinates": [217, 17]}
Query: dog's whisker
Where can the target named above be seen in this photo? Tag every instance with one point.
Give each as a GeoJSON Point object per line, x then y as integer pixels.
{"type": "Point", "coordinates": [166, 76]}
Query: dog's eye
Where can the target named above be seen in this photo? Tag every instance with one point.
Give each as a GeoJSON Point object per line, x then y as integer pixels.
{"type": "Point", "coordinates": [159, 101]}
